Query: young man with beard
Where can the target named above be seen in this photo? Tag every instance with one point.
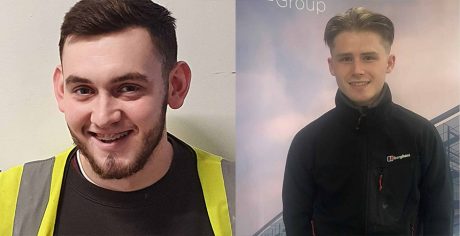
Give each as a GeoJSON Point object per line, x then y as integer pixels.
{"type": "Point", "coordinates": [126, 175]}
{"type": "Point", "coordinates": [368, 166]}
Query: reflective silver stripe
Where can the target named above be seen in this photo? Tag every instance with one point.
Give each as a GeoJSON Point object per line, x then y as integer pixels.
{"type": "Point", "coordinates": [33, 196]}
{"type": "Point", "coordinates": [228, 172]}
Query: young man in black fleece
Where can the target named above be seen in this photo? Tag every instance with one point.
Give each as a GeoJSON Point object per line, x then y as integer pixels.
{"type": "Point", "coordinates": [368, 166]}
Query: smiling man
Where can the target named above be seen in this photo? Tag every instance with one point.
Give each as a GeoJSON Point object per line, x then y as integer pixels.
{"type": "Point", "coordinates": [126, 175]}
{"type": "Point", "coordinates": [368, 166]}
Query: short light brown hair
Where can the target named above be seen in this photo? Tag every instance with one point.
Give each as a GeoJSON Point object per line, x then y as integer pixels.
{"type": "Point", "coordinates": [360, 19]}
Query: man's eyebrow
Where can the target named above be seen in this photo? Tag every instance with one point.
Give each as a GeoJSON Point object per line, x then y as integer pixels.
{"type": "Point", "coordinates": [73, 79]}
{"type": "Point", "coordinates": [369, 54]}
{"type": "Point", "coordinates": [135, 76]}
{"type": "Point", "coordinates": [345, 54]}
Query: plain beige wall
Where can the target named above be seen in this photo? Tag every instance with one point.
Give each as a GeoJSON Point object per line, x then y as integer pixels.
{"type": "Point", "coordinates": [32, 127]}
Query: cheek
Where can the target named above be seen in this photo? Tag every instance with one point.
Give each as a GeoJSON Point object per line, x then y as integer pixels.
{"type": "Point", "coordinates": [341, 76]}
{"type": "Point", "coordinates": [343, 71]}
{"type": "Point", "coordinates": [145, 112]}
{"type": "Point", "coordinates": [76, 115]}
{"type": "Point", "coordinates": [382, 68]}
{"type": "Point", "coordinates": [74, 122]}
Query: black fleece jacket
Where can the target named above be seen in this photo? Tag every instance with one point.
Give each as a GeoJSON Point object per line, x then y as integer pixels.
{"type": "Point", "coordinates": [375, 171]}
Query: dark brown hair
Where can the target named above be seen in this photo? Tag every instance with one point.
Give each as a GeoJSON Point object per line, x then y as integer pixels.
{"type": "Point", "coordinates": [359, 19]}
{"type": "Point", "coordinates": [95, 17]}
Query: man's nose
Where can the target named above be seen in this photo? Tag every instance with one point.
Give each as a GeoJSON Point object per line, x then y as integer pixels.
{"type": "Point", "coordinates": [105, 112]}
{"type": "Point", "coordinates": [358, 68]}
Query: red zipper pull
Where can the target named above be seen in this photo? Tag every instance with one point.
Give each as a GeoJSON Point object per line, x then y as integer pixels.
{"type": "Point", "coordinates": [380, 182]}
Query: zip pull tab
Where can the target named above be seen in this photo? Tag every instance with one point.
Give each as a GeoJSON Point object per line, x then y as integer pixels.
{"type": "Point", "coordinates": [359, 122]}
{"type": "Point", "coordinates": [362, 114]}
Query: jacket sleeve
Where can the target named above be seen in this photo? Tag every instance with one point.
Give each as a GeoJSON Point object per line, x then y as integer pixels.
{"type": "Point", "coordinates": [298, 188]}
{"type": "Point", "coordinates": [436, 195]}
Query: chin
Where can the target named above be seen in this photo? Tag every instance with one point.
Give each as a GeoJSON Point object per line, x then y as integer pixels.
{"type": "Point", "coordinates": [114, 168]}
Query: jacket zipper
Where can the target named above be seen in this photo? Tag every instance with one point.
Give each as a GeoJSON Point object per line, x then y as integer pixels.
{"type": "Point", "coordinates": [313, 231]}
{"type": "Point", "coordinates": [358, 124]}
{"type": "Point", "coordinates": [362, 114]}
{"type": "Point", "coordinates": [367, 182]}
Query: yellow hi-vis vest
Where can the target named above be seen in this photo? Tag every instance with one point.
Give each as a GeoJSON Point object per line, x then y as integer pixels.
{"type": "Point", "coordinates": [29, 195]}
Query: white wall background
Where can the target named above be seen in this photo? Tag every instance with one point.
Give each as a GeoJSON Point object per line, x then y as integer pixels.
{"type": "Point", "coordinates": [32, 127]}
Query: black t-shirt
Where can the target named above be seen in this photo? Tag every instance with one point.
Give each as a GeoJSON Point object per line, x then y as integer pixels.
{"type": "Point", "coordinates": [172, 206]}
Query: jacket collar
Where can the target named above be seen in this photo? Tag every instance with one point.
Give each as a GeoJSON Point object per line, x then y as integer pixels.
{"type": "Point", "coordinates": [358, 116]}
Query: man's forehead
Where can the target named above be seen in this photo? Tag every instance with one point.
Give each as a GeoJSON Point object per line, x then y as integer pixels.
{"type": "Point", "coordinates": [101, 58]}
{"type": "Point", "coordinates": [361, 38]}
{"type": "Point", "coordinates": [135, 32]}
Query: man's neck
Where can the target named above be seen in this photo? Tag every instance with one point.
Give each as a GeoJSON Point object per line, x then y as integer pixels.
{"type": "Point", "coordinates": [155, 168]}
{"type": "Point", "coordinates": [372, 104]}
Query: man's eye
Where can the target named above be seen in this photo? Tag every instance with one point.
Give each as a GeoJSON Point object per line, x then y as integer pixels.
{"type": "Point", "coordinates": [83, 91]}
{"type": "Point", "coordinates": [345, 59]}
{"type": "Point", "coordinates": [368, 58]}
{"type": "Point", "coordinates": [129, 88]}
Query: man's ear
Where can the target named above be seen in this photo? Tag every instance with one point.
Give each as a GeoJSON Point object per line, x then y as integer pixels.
{"type": "Point", "coordinates": [391, 63]}
{"type": "Point", "coordinates": [331, 68]}
{"type": "Point", "coordinates": [179, 83]}
{"type": "Point", "coordinates": [58, 83]}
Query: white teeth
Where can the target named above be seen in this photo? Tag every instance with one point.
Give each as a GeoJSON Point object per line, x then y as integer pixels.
{"type": "Point", "coordinates": [111, 137]}
{"type": "Point", "coordinates": [359, 83]}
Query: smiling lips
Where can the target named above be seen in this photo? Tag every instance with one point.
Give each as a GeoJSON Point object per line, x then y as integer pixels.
{"type": "Point", "coordinates": [358, 83]}
{"type": "Point", "coordinates": [109, 138]}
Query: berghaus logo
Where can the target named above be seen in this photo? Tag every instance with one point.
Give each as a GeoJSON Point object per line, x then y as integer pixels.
{"type": "Point", "coordinates": [392, 158]}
